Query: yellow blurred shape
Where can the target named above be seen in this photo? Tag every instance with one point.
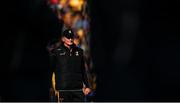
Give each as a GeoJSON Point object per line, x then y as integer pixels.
{"type": "Point", "coordinates": [76, 4]}
{"type": "Point", "coordinates": [63, 2]}
{"type": "Point", "coordinates": [53, 81]}
{"type": "Point", "coordinates": [80, 33]}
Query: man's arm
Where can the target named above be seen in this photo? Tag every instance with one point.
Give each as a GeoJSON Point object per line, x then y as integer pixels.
{"type": "Point", "coordinates": [52, 65]}
{"type": "Point", "coordinates": [87, 89]}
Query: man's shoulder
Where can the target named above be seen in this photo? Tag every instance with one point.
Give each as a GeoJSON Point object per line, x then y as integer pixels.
{"type": "Point", "coordinates": [59, 49]}
{"type": "Point", "coordinates": [79, 49]}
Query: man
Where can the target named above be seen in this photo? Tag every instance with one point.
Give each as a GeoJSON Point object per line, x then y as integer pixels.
{"type": "Point", "coordinates": [70, 74]}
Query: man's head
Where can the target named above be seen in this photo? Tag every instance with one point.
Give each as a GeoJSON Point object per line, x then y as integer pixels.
{"type": "Point", "coordinates": [68, 37]}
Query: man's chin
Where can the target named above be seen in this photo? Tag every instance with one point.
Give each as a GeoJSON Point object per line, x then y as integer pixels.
{"type": "Point", "coordinates": [70, 44]}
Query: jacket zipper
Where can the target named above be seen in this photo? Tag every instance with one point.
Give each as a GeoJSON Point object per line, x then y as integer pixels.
{"type": "Point", "coordinates": [70, 52]}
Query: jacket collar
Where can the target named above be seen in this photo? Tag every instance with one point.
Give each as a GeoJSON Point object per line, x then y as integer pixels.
{"type": "Point", "coordinates": [73, 46]}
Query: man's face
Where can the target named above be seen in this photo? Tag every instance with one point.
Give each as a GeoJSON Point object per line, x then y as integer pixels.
{"type": "Point", "coordinates": [67, 41]}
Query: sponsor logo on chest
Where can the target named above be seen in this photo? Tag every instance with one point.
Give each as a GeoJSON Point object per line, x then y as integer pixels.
{"type": "Point", "coordinates": [77, 53]}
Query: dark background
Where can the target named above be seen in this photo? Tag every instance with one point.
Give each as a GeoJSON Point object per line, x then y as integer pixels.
{"type": "Point", "coordinates": [135, 49]}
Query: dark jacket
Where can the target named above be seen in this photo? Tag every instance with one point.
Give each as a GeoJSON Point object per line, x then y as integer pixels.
{"type": "Point", "coordinates": [69, 68]}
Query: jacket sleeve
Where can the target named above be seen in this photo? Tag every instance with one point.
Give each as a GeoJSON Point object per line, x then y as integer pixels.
{"type": "Point", "coordinates": [52, 65]}
{"type": "Point", "coordinates": [84, 73]}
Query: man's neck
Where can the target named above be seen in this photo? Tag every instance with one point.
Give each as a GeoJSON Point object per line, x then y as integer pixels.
{"type": "Point", "coordinates": [68, 46]}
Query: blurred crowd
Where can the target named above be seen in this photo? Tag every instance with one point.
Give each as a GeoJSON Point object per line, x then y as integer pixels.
{"type": "Point", "coordinates": [74, 15]}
